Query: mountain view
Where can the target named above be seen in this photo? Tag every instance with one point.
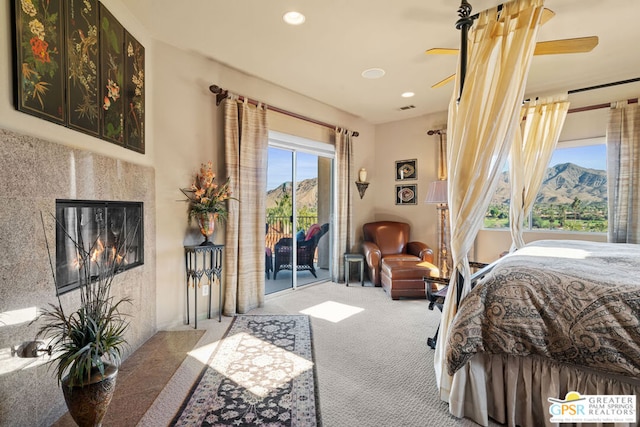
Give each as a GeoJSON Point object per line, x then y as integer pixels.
{"type": "Point", "coordinates": [306, 193]}
{"type": "Point", "coordinates": [571, 198]}
{"type": "Point", "coordinates": [562, 184]}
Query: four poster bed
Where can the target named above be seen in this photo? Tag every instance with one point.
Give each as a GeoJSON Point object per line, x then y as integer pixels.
{"type": "Point", "coordinates": [553, 317]}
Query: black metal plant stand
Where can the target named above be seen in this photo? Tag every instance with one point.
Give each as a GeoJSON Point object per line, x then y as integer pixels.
{"type": "Point", "coordinates": [203, 261]}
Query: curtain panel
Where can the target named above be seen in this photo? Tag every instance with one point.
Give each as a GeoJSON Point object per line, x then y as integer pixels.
{"type": "Point", "coordinates": [623, 173]}
{"type": "Point", "coordinates": [532, 148]}
{"type": "Point", "coordinates": [481, 126]}
{"type": "Point", "coordinates": [343, 222]}
{"type": "Point", "coordinates": [246, 141]}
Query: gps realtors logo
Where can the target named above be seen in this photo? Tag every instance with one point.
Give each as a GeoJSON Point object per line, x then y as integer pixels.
{"type": "Point", "coordinates": [593, 408]}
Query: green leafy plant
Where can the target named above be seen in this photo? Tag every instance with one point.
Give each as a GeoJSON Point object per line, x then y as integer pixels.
{"type": "Point", "coordinates": [82, 340]}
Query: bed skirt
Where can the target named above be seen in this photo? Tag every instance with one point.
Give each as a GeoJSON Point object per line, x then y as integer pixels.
{"type": "Point", "coordinates": [513, 390]}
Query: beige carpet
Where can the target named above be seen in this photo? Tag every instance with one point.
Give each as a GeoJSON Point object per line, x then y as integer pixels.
{"type": "Point", "coordinates": [374, 367]}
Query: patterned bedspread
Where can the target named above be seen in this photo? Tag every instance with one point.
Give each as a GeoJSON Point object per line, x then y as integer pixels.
{"type": "Point", "coordinates": [570, 301]}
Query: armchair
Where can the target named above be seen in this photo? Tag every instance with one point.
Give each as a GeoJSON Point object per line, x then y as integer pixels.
{"type": "Point", "coordinates": [305, 253]}
{"type": "Point", "coordinates": [389, 240]}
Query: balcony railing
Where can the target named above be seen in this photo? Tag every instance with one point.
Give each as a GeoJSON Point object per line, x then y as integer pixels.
{"type": "Point", "coordinates": [281, 226]}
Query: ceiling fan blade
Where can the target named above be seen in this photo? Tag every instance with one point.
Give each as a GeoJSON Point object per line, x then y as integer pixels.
{"type": "Point", "coordinates": [577, 45]}
{"type": "Point", "coordinates": [546, 15]}
{"type": "Point", "coordinates": [444, 82]}
{"type": "Point", "coordinates": [552, 47]}
{"type": "Point", "coordinates": [441, 51]}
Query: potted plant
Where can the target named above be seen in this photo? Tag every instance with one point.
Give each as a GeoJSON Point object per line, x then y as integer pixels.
{"type": "Point", "coordinates": [207, 200]}
{"type": "Point", "coordinates": [87, 343]}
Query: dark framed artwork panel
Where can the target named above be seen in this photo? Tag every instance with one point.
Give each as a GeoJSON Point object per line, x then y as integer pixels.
{"type": "Point", "coordinates": [134, 94]}
{"type": "Point", "coordinates": [83, 92]}
{"type": "Point", "coordinates": [112, 77]}
{"type": "Point", "coordinates": [38, 58]}
{"type": "Point", "coordinates": [406, 169]}
{"type": "Point", "coordinates": [407, 194]}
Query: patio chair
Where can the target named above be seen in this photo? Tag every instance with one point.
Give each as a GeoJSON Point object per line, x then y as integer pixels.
{"type": "Point", "coordinates": [305, 253]}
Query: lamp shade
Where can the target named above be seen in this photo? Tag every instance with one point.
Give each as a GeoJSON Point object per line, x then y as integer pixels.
{"type": "Point", "coordinates": [437, 192]}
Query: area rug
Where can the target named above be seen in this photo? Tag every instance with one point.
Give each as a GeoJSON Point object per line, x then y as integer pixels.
{"type": "Point", "coordinates": [261, 374]}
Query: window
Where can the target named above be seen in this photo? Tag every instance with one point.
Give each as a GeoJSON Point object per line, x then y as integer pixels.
{"type": "Point", "coordinates": [573, 195]}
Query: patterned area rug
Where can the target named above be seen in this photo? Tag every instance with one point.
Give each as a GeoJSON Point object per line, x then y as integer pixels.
{"type": "Point", "coordinates": [261, 374]}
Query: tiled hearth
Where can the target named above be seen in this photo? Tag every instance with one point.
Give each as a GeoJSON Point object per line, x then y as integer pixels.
{"type": "Point", "coordinates": [33, 174]}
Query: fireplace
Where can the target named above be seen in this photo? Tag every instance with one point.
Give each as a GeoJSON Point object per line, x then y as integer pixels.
{"type": "Point", "coordinates": [111, 232]}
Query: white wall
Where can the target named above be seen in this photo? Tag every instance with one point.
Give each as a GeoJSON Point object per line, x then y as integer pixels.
{"type": "Point", "coordinates": [189, 130]}
{"type": "Point", "coordinates": [407, 139]}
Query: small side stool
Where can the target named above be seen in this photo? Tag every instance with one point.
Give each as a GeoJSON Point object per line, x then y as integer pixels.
{"type": "Point", "coordinates": [349, 258]}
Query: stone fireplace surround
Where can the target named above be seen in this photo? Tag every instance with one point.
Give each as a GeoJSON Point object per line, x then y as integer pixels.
{"type": "Point", "coordinates": [33, 174]}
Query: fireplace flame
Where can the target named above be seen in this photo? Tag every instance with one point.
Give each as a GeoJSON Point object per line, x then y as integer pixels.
{"type": "Point", "coordinates": [97, 252]}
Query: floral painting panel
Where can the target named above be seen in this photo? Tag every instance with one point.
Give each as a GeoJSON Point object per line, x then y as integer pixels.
{"type": "Point", "coordinates": [112, 77]}
{"type": "Point", "coordinates": [134, 93]}
{"type": "Point", "coordinates": [83, 93]}
{"type": "Point", "coordinates": [39, 35]}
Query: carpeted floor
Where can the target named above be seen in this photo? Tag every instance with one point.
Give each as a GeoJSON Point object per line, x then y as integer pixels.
{"type": "Point", "coordinates": [374, 367]}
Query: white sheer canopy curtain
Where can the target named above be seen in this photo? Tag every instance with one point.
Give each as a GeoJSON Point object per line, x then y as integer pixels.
{"type": "Point", "coordinates": [246, 141]}
{"type": "Point", "coordinates": [531, 151]}
{"type": "Point", "coordinates": [344, 212]}
{"type": "Point", "coordinates": [481, 127]}
{"type": "Point", "coordinates": [623, 173]}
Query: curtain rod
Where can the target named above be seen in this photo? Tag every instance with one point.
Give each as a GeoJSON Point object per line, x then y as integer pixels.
{"type": "Point", "coordinates": [223, 93]}
{"type": "Point", "coordinates": [599, 106]}
{"type": "Point", "coordinates": [620, 82]}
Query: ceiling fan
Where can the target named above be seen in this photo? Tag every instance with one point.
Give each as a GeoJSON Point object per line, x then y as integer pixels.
{"type": "Point", "coordinates": [552, 47]}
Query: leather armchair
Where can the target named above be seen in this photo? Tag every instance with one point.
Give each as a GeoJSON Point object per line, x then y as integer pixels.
{"type": "Point", "coordinates": [390, 240]}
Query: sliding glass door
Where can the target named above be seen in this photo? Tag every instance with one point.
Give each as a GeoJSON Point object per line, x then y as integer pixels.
{"type": "Point", "coordinates": [298, 216]}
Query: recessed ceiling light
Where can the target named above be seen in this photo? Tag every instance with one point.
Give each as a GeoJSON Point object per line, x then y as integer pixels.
{"type": "Point", "coordinates": [373, 73]}
{"type": "Point", "coordinates": [407, 94]}
{"type": "Point", "coordinates": [294, 18]}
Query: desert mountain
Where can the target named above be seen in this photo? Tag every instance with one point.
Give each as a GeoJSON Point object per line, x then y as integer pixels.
{"type": "Point", "coordinates": [561, 184]}
{"type": "Point", "coordinates": [306, 193]}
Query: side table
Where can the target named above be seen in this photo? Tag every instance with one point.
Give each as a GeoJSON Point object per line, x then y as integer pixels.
{"type": "Point", "coordinates": [348, 259]}
{"type": "Point", "coordinates": [205, 260]}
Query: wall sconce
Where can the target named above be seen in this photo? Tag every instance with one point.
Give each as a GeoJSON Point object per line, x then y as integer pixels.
{"type": "Point", "coordinates": [362, 183]}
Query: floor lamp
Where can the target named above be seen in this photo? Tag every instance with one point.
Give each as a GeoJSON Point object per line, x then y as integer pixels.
{"type": "Point", "coordinates": [437, 194]}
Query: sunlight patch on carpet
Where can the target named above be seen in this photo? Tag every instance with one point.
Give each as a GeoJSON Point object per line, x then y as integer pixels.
{"type": "Point", "coordinates": [203, 353]}
{"type": "Point", "coordinates": [259, 354]}
{"type": "Point", "coordinates": [332, 311]}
